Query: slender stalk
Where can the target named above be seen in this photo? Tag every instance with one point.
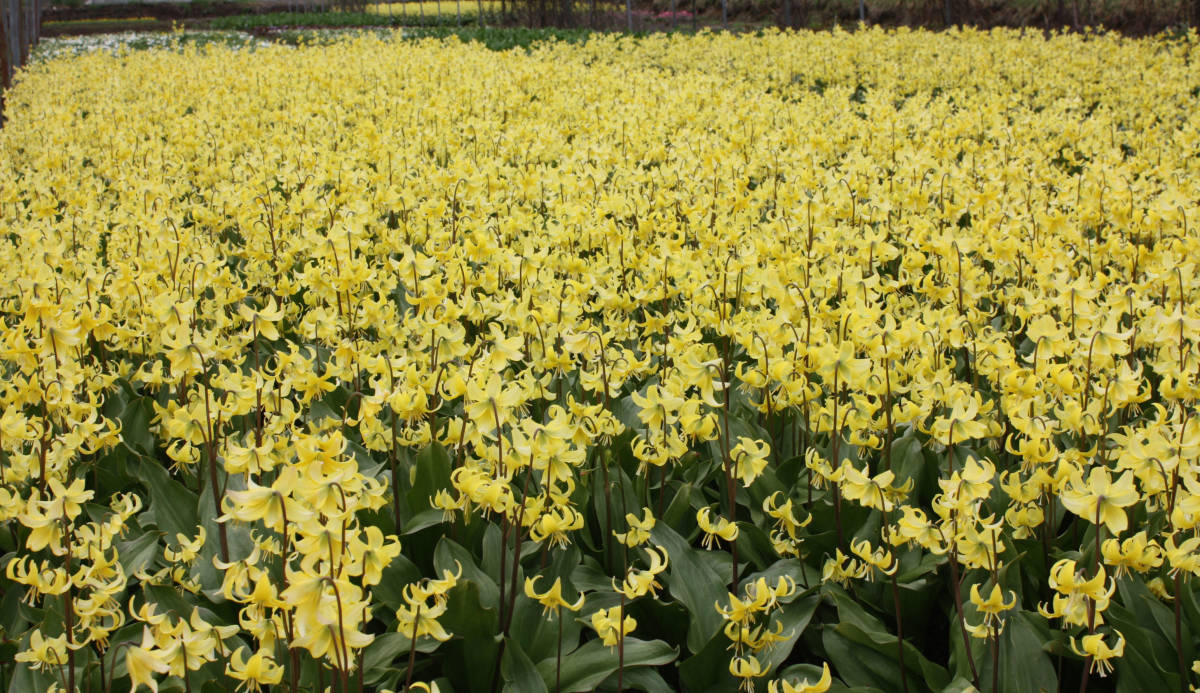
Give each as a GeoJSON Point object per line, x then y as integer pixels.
{"type": "Point", "coordinates": [899, 633]}
{"type": "Point", "coordinates": [412, 650]}
{"type": "Point", "coordinates": [895, 592]}
{"type": "Point", "coordinates": [1183, 676]}
{"type": "Point", "coordinates": [69, 610]}
{"type": "Point", "coordinates": [217, 493]}
{"type": "Point", "coordinates": [834, 462]}
{"type": "Point", "coordinates": [958, 602]}
{"type": "Point", "coordinates": [558, 655]}
{"type": "Point", "coordinates": [621, 646]}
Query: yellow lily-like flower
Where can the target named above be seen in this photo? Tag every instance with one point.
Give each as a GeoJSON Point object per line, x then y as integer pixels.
{"type": "Point", "coordinates": [1136, 554]}
{"type": "Point", "coordinates": [1094, 646]}
{"type": "Point", "coordinates": [45, 654]}
{"type": "Point", "coordinates": [1184, 556]}
{"type": "Point", "coordinates": [747, 668]}
{"type": "Point", "coordinates": [254, 672]}
{"type": "Point", "coordinates": [374, 554]}
{"type": "Point", "coordinates": [881, 559]}
{"type": "Point", "coordinates": [962, 425]}
{"type": "Point", "coordinates": [994, 605]}
{"type": "Point", "coordinates": [555, 523]}
{"type": "Point", "coordinates": [722, 528]}
{"type": "Point", "coordinates": [749, 459]}
{"type": "Point", "coordinates": [263, 319]}
{"type": "Point", "coordinates": [639, 530]}
{"type": "Point", "coordinates": [606, 623]}
{"type": "Point", "coordinates": [188, 548]}
{"type": "Point", "coordinates": [639, 582]}
{"type": "Point", "coordinates": [803, 685]}
{"type": "Point", "coordinates": [551, 599]}
{"type": "Point", "coordinates": [144, 661]}
{"type": "Point", "coordinates": [838, 362]}
{"type": "Point", "coordinates": [1101, 499]}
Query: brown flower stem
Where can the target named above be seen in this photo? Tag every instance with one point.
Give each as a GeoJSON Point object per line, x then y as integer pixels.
{"type": "Point", "coordinates": [412, 650]}
{"type": "Point", "coordinates": [962, 619]}
{"type": "Point", "coordinates": [558, 655]}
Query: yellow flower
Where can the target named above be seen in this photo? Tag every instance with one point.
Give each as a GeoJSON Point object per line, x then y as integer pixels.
{"type": "Point", "coordinates": [1101, 499]}
{"type": "Point", "coordinates": [961, 425]}
{"type": "Point", "coordinates": [639, 582]}
{"type": "Point", "coordinates": [254, 672]}
{"type": "Point", "coordinates": [881, 559]}
{"type": "Point", "coordinates": [263, 320]}
{"type": "Point", "coordinates": [46, 654]}
{"type": "Point", "coordinates": [1135, 554]}
{"type": "Point", "coordinates": [551, 599]}
{"type": "Point", "coordinates": [1094, 646]}
{"type": "Point", "coordinates": [749, 459]}
{"type": "Point", "coordinates": [373, 555]}
{"type": "Point", "coordinates": [606, 623]}
{"type": "Point", "coordinates": [803, 686]}
{"type": "Point", "coordinates": [994, 605]}
{"type": "Point", "coordinates": [639, 529]}
{"type": "Point", "coordinates": [144, 661]}
{"type": "Point", "coordinates": [746, 668]}
{"type": "Point", "coordinates": [722, 528]}
{"type": "Point", "coordinates": [554, 524]}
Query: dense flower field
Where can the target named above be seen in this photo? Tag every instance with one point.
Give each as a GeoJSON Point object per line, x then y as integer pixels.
{"type": "Point", "coordinates": [791, 362]}
{"type": "Point", "coordinates": [467, 8]}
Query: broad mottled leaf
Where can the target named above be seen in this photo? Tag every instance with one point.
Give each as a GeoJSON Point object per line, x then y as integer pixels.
{"type": "Point", "coordinates": [691, 582]}
{"type": "Point", "coordinates": [586, 667]}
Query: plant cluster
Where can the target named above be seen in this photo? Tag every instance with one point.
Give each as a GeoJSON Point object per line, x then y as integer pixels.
{"type": "Point", "coordinates": [789, 362]}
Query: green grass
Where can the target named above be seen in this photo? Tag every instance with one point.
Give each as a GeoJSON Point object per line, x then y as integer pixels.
{"type": "Point", "coordinates": [502, 38]}
{"type": "Point", "coordinates": [245, 22]}
{"type": "Point", "coordinates": [493, 38]}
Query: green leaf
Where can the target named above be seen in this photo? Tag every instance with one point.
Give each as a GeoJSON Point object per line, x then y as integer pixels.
{"type": "Point", "coordinates": [138, 553]}
{"type": "Point", "coordinates": [172, 505]}
{"type": "Point", "coordinates": [135, 425]}
{"type": "Point", "coordinates": [681, 507]}
{"type": "Point", "coordinates": [477, 635]}
{"type": "Point", "coordinates": [960, 685]}
{"type": "Point", "coordinates": [12, 620]}
{"type": "Point", "coordinates": [1025, 667]}
{"type": "Point", "coordinates": [536, 631]}
{"type": "Point", "coordinates": [423, 520]}
{"type": "Point", "coordinates": [1157, 620]}
{"type": "Point", "coordinates": [383, 655]}
{"type": "Point", "coordinates": [1147, 657]}
{"type": "Point", "coordinates": [626, 412]}
{"type": "Point", "coordinates": [169, 600]}
{"type": "Point", "coordinates": [708, 669]}
{"type": "Point", "coordinates": [25, 679]}
{"type": "Point", "coordinates": [859, 665]}
{"type": "Point", "coordinates": [754, 546]}
{"type": "Point", "coordinates": [865, 630]}
{"type": "Point", "coordinates": [398, 573]}
{"type": "Point", "coordinates": [585, 668]}
{"type": "Point", "coordinates": [798, 673]}
{"type": "Point", "coordinates": [697, 587]}
{"type": "Point", "coordinates": [794, 618]}
{"type": "Point", "coordinates": [639, 679]}
{"type": "Point", "coordinates": [431, 474]}
{"type": "Point", "coordinates": [449, 555]}
{"type": "Point", "coordinates": [520, 676]}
